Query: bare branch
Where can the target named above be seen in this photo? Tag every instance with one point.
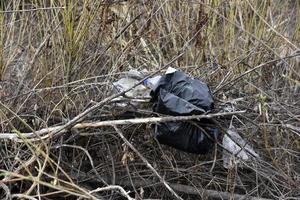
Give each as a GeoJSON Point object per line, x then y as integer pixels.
{"type": "Point", "coordinates": [53, 130]}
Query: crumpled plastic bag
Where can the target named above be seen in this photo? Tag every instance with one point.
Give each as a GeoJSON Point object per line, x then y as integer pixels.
{"type": "Point", "coordinates": [139, 91]}
{"type": "Point", "coordinates": [230, 143]}
{"type": "Point", "coordinates": [177, 94]}
{"type": "Point", "coordinates": [128, 80]}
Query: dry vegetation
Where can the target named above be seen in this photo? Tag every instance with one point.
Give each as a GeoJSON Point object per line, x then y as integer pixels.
{"type": "Point", "coordinates": [59, 58]}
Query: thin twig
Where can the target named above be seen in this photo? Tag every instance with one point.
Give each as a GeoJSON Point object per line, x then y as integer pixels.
{"type": "Point", "coordinates": [89, 157]}
{"type": "Point", "coordinates": [23, 196]}
{"type": "Point", "coordinates": [146, 162]}
{"type": "Point", "coordinates": [32, 10]}
{"type": "Point", "coordinates": [28, 66]}
{"type": "Point", "coordinates": [253, 69]}
{"type": "Point", "coordinates": [113, 187]}
{"type": "Point", "coordinates": [6, 191]}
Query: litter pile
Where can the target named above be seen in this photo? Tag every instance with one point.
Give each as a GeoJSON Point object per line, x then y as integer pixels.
{"type": "Point", "coordinates": [177, 94]}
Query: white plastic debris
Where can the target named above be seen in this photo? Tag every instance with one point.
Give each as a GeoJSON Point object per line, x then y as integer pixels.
{"type": "Point", "coordinates": [230, 143]}
{"type": "Point", "coordinates": [138, 75]}
{"type": "Point", "coordinates": [131, 78]}
{"type": "Point", "coordinates": [170, 70]}
{"type": "Point", "coordinates": [152, 82]}
{"type": "Point", "coordinates": [139, 91]}
{"type": "Point", "coordinates": [137, 95]}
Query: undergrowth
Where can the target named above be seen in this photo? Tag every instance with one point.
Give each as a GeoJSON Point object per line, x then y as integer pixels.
{"type": "Point", "coordinates": [57, 58]}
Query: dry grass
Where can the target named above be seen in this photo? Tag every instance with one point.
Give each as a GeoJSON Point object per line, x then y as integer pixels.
{"type": "Point", "coordinates": [57, 56]}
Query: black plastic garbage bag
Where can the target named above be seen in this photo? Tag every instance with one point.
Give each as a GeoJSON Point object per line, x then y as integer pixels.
{"type": "Point", "coordinates": [178, 95]}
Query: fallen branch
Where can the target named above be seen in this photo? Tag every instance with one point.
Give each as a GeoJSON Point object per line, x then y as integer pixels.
{"type": "Point", "coordinates": [47, 132]}
{"type": "Point", "coordinates": [182, 188]}
{"type": "Point", "coordinates": [212, 194]}
{"type": "Point", "coordinates": [150, 120]}
{"type": "Point", "coordinates": [186, 189]}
